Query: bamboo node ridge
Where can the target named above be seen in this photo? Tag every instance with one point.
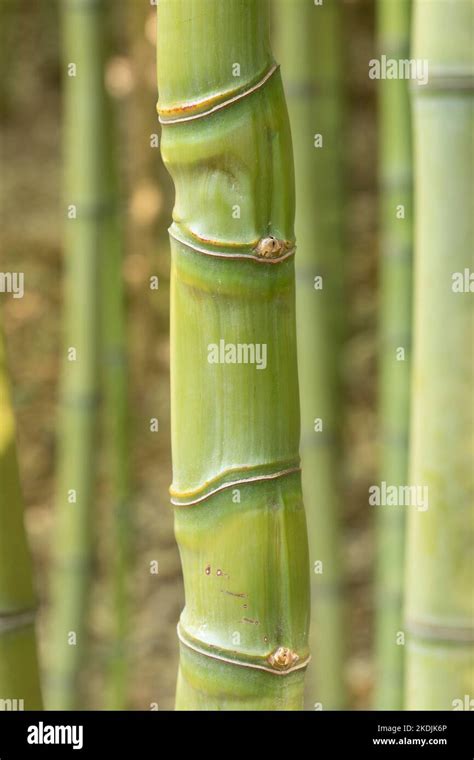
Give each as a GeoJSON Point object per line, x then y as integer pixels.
{"type": "Point", "coordinates": [429, 630]}
{"type": "Point", "coordinates": [280, 662]}
{"type": "Point", "coordinates": [456, 78]}
{"type": "Point", "coordinates": [268, 250]}
{"type": "Point", "coordinates": [11, 621]}
{"type": "Point", "coordinates": [207, 106]}
{"type": "Point", "coordinates": [230, 478]}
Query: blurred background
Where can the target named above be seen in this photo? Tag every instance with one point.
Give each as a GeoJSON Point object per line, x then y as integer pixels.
{"type": "Point", "coordinates": [31, 231]}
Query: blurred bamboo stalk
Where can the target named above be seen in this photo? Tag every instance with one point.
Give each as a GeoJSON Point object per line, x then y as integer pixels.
{"type": "Point", "coordinates": [145, 177]}
{"type": "Point", "coordinates": [310, 45]}
{"type": "Point", "coordinates": [440, 552]}
{"type": "Point", "coordinates": [86, 193]}
{"type": "Point", "coordinates": [115, 381]}
{"type": "Point", "coordinates": [19, 677]}
{"type": "Point", "coordinates": [239, 515]}
{"type": "Point", "coordinates": [6, 28]}
{"type": "Point", "coordinates": [395, 181]}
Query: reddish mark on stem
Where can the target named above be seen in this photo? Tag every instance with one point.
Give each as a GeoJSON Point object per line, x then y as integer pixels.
{"type": "Point", "coordinates": [234, 593]}
{"type": "Point", "coordinates": [249, 620]}
{"type": "Point", "coordinates": [208, 570]}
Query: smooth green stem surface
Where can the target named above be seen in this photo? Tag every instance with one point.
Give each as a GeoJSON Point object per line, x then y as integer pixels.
{"type": "Point", "coordinates": [439, 602]}
{"type": "Point", "coordinates": [114, 381]}
{"type": "Point", "coordinates": [240, 522]}
{"type": "Point", "coordinates": [87, 208]}
{"type": "Point", "coordinates": [114, 377]}
{"type": "Point", "coordinates": [19, 677]}
{"type": "Point", "coordinates": [395, 316]}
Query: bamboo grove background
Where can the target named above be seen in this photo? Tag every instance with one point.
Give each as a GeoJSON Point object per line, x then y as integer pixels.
{"type": "Point", "coordinates": [109, 429]}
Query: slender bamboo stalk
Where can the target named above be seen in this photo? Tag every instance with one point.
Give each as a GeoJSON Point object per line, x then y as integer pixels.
{"type": "Point", "coordinates": [88, 206]}
{"type": "Point", "coordinates": [240, 521]}
{"type": "Point", "coordinates": [309, 38]}
{"type": "Point", "coordinates": [6, 27]}
{"type": "Point", "coordinates": [19, 677]}
{"type": "Point", "coordinates": [395, 347]}
{"type": "Point", "coordinates": [116, 432]}
{"type": "Point", "coordinates": [439, 598]}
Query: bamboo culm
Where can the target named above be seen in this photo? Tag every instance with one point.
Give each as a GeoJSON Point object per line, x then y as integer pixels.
{"type": "Point", "coordinates": [395, 179]}
{"type": "Point", "coordinates": [439, 606]}
{"type": "Point", "coordinates": [88, 207]}
{"type": "Point", "coordinates": [19, 675]}
{"type": "Point", "coordinates": [310, 40]}
{"type": "Point", "coordinates": [239, 515]}
{"type": "Point", "coordinates": [116, 426]}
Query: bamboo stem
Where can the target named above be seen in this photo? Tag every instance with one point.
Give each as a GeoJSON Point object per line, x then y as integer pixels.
{"type": "Point", "coordinates": [235, 428]}
{"type": "Point", "coordinates": [117, 441]}
{"type": "Point", "coordinates": [19, 676]}
{"type": "Point", "coordinates": [394, 337]}
{"type": "Point", "coordinates": [86, 190]}
{"type": "Point", "coordinates": [7, 25]}
{"type": "Point", "coordinates": [309, 39]}
{"type": "Point", "coordinates": [439, 599]}
{"type": "Point", "coordinates": [115, 381]}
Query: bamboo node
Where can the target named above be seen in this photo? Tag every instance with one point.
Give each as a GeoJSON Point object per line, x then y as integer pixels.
{"type": "Point", "coordinates": [271, 248]}
{"type": "Point", "coordinates": [11, 621]}
{"type": "Point", "coordinates": [210, 104]}
{"type": "Point", "coordinates": [283, 658]}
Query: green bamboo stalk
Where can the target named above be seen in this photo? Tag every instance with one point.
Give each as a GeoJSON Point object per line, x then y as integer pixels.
{"type": "Point", "coordinates": [86, 189]}
{"type": "Point", "coordinates": [116, 433]}
{"type": "Point", "coordinates": [394, 337]}
{"type": "Point", "coordinates": [310, 41]}
{"type": "Point", "coordinates": [439, 597]}
{"type": "Point", "coordinates": [240, 521]}
{"type": "Point", "coordinates": [6, 28]}
{"type": "Point", "coordinates": [19, 676]}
